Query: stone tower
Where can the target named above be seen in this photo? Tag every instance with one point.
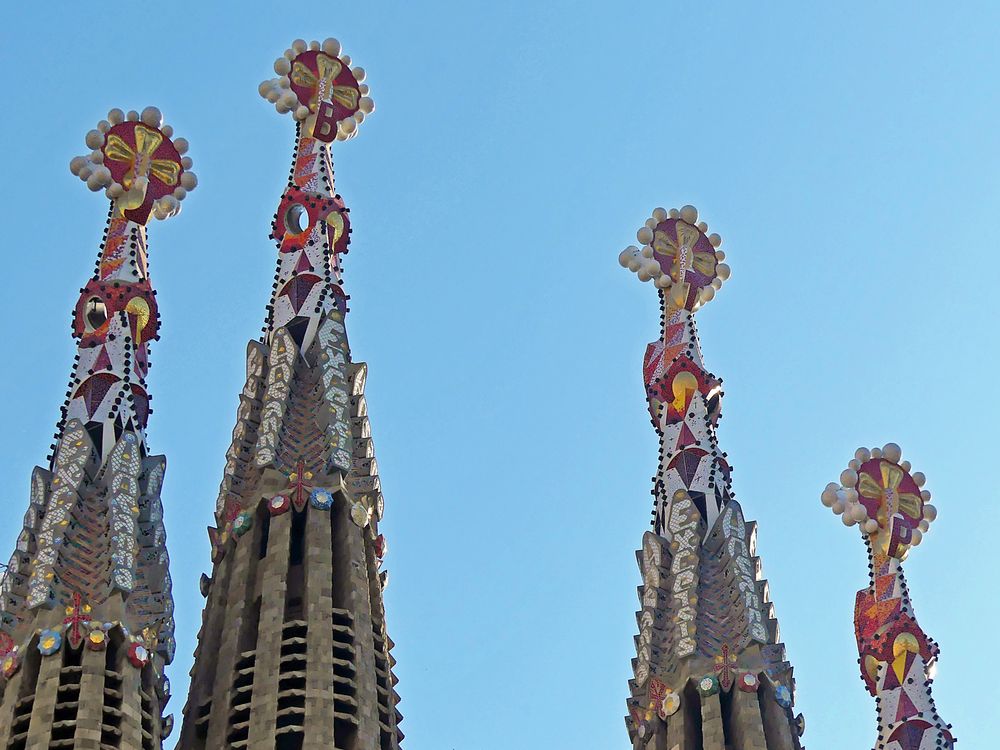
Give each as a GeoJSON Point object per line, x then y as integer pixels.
{"type": "Point", "coordinates": [710, 671]}
{"type": "Point", "coordinates": [878, 493]}
{"type": "Point", "coordinates": [293, 651]}
{"type": "Point", "coordinates": [86, 615]}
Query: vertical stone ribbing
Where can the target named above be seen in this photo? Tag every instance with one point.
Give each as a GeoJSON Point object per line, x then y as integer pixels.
{"type": "Point", "coordinates": [273, 575]}
{"type": "Point", "coordinates": [320, 687]}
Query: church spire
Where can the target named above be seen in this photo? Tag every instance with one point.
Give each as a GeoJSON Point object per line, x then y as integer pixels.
{"type": "Point", "coordinates": [710, 671]}
{"type": "Point", "coordinates": [91, 564]}
{"type": "Point", "coordinates": [293, 652]}
{"type": "Point", "coordinates": [878, 493]}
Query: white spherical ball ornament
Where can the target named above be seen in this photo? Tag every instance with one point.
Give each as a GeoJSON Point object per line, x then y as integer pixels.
{"type": "Point", "coordinates": [189, 180]}
{"type": "Point", "coordinates": [829, 495]}
{"type": "Point", "coordinates": [94, 182]}
{"type": "Point", "coordinates": [643, 276]}
{"type": "Point", "coordinates": [850, 495]}
{"type": "Point", "coordinates": [870, 526]}
{"type": "Point", "coordinates": [273, 95]}
{"type": "Point", "coordinates": [646, 252]}
{"type": "Point", "coordinates": [314, 45]}
{"type": "Point", "coordinates": [930, 512]}
{"type": "Point", "coordinates": [359, 74]}
{"type": "Point", "coordinates": [181, 144]}
{"type": "Point", "coordinates": [282, 66]}
{"type": "Point", "coordinates": [180, 193]}
{"type": "Point", "coordinates": [925, 495]}
{"type": "Point", "coordinates": [837, 507]}
{"type": "Point", "coordinates": [348, 126]}
{"type": "Point", "coordinates": [847, 520]}
{"type": "Point", "coordinates": [301, 112]}
{"type": "Point", "coordinates": [116, 116]}
{"type": "Point", "coordinates": [299, 46]}
{"type": "Point", "coordinates": [723, 271]}
{"type": "Point", "coordinates": [919, 478]}
{"type": "Point", "coordinates": [858, 512]}
{"type": "Point", "coordinates": [153, 117]}
{"type": "Point", "coordinates": [905, 466]}
{"type": "Point", "coordinates": [85, 171]}
{"type": "Point", "coordinates": [892, 452]}
{"type": "Point", "coordinates": [848, 477]}
{"type": "Point", "coordinates": [862, 454]}
{"type": "Point", "coordinates": [76, 164]}
{"type": "Point", "coordinates": [708, 294]}
{"type": "Point", "coordinates": [132, 115]}
{"type": "Point", "coordinates": [916, 537]}
{"type": "Point", "coordinates": [659, 214]}
{"type": "Point", "coordinates": [645, 236]}
{"type": "Point", "coordinates": [346, 59]}
{"type": "Point", "coordinates": [187, 162]}
{"type": "Point", "coordinates": [331, 47]}
{"type": "Point", "coordinates": [876, 453]}
{"type": "Point", "coordinates": [115, 190]}
{"type": "Point", "coordinates": [924, 525]}
{"type": "Point", "coordinates": [689, 214]}
{"type": "Point", "coordinates": [715, 240]}
{"type": "Point", "coordinates": [94, 139]}
{"type": "Point", "coordinates": [366, 104]}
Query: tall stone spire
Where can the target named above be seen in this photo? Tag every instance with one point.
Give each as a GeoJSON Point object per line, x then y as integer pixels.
{"type": "Point", "coordinates": [86, 614]}
{"type": "Point", "coordinates": [878, 493]}
{"type": "Point", "coordinates": [710, 670]}
{"type": "Point", "coordinates": [293, 651]}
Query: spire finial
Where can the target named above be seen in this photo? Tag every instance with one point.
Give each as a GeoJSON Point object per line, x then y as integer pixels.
{"type": "Point", "coordinates": [140, 168]}
{"type": "Point", "coordinates": [317, 84]}
{"type": "Point", "coordinates": [878, 492]}
{"type": "Point", "coordinates": [679, 257]}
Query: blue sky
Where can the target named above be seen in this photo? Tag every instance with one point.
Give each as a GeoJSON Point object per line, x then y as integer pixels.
{"type": "Point", "coordinates": [846, 152]}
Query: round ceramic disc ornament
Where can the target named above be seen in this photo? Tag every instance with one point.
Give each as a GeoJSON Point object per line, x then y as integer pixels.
{"type": "Point", "coordinates": [748, 682]}
{"type": "Point", "coordinates": [49, 642]}
{"type": "Point", "coordinates": [671, 703]}
{"type": "Point", "coordinates": [679, 256]}
{"type": "Point", "coordinates": [242, 523]}
{"type": "Point", "coordinates": [783, 696]}
{"type": "Point", "coordinates": [878, 492]}
{"type": "Point", "coordinates": [97, 639]}
{"type": "Point", "coordinates": [321, 499]}
{"type": "Point", "coordinates": [10, 664]}
{"type": "Point", "coordinates": [708, 685]}
{"type": "Point", "coordinates": [138, 655]}
{"type": "Point", "coordinates": [318, 86]}
{"type": "Point", "coordinates": [138, 164]}
{"type": "Point", "coordinates": [360, 514]}
{"type": "Point", "coordinates": [278, 504]}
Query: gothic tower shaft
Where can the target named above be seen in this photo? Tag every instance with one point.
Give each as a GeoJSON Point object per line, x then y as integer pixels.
{"type": "Point", "coordinates": [710, 671]}
{"type": "Point", "coordinates": [293, 651]}
{"type": "Point", "coordinates": [86, 613]}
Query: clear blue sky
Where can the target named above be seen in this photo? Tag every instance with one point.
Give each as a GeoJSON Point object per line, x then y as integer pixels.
{"type": "Point", "coordinates": [846, 152]}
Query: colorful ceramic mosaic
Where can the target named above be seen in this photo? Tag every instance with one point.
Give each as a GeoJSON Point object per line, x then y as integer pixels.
{"type": "Point", "coordinates": [91, 558]}
{"type": "Point", "coordinates": [705, 621]}
{"type": "Point", "coordinates": [879, 494]}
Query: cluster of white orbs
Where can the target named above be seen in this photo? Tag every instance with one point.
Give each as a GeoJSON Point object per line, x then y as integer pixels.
{"type": "Point", "coordinates": [278, 90]}
{"type": "Point", "coordinates": [92, 170]}
{"type": "Point", "coordinates": [843, 498]}
{"type": "Point", "coordinates": [642, 262]}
